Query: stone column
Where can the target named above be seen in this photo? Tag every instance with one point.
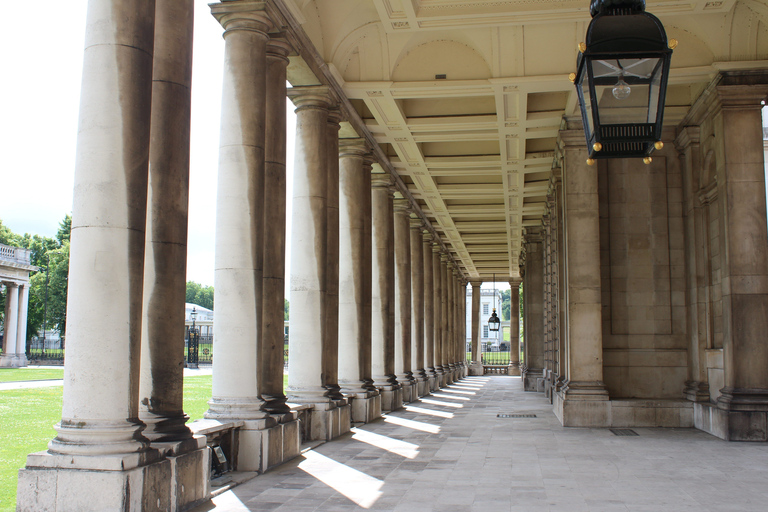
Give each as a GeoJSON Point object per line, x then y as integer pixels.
{"type": "Point", "coordinates": [451, 358]}
{"type": "Point", "coordinates": [417, 308]}
{"type": "Point", "coordinates": [744, 244]}
{"type": "Point", "coordinates": [403, 298]}
{"type": "Point", "coordinates": [354, 282]}
{"type": "Point", "coordinates": [165, 257]}
{"type": "Point", "coordinates": [331, 336]}
{"type": "Point", "coordinates": [445, 318]}
{"type": "Point", "coordinates": [429, 311]}
{"type": "Point", "coordinates": [10, 329]}
{"type": "Point", "coordinates": [437, 287]}
{"type": "Point", "coordinates": [462, 341]}
{"type": "Point", "coordinates": [21, 326]}
{"type": "Point", "coordinates": [533, 314]}
{"type": "Point", "coordinates": [100, 413]}
{"type": "Point", "coordinates": [309, 247]}
{"type": "Point", "coordinates": [239, 215]}
{"type": "Point", "coordinates": [476, 286]}
{"type": "Point", "coordinates": [272, 344]}
{"type": "Point", "coordinates": [583, 400]}
{"type": "Point", "coordinates": [382, 337]}
{"type": "Point", "coordinates": [514, 327]}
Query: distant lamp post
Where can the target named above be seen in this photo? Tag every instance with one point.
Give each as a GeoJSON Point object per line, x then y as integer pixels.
{"type": "Point", "coordinates": [621, 80]}
{"type": "Point", "coordinates": [192, 346]}
{"type": "Point", "coordinates": [493, 321]}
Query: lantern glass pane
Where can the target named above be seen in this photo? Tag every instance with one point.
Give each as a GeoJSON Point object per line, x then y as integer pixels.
{"type": "Point", "coordinates": [623, 88]}
{"type": "Point", "coordinates": [589, 122]}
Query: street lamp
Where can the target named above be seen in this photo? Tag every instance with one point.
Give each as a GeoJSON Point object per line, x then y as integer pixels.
{"type": "Point", "coordinates": [621, 80]}
{"type": "Point", "coordinates": [192, 356]}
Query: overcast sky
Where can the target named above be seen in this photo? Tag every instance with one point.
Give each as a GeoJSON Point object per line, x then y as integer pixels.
{"type": "Point", "coordinates": [38, 123]}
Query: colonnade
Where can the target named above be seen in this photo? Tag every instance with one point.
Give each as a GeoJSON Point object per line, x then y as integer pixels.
{"type": "Point", "coordinates": [14, 275]}
{"type": "Point", "coordinates": [374, 313]}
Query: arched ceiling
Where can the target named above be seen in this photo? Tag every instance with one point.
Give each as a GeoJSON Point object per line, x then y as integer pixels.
{"type": "Point", "coordinates": [466, 98]}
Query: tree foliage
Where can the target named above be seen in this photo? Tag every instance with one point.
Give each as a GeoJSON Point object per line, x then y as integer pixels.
{"type": "Point", "coordinates": [505, 304]}
{"type": "Point", "coordinates": [51, 256]}
{"type": "Point", "coordinates": [200, 295]}
{"type": "Point", "coordinates": [286, 309]}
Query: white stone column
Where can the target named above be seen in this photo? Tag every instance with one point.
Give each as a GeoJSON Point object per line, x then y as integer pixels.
{"type": "Point", "coordinates": [165, 257]}
{"type": "Point", "coordinates": [429, 310]}
{"type": "Point", "coordinates": [514, 327]}
{"type": "Point", "coordinates": [450, 345]}
{"type": "Point", "coordinates": [533, 312]}
{"type": "Point", "coordinates": [445, 318]}
{"type": "Point", "coordinates": [331, 335]}
{"type": "Point", "coordinates": [10, 329]}
{"type": "Point", "coordinates": [463, 327]}
{"type": "Point", "coordinates": [21, 326]}
{"type": "Point", "coordinates": [354, 282]}
{"type": "Point", "coordinates": [309, 246]}
{"type": "Point", "coordinates": [417, 307]}
{"type": "Point", "coordinates": [403, 297]}
{"type": "Point", "coordinates": [272, 342]}
{"type": "Point", "coordinates": [382, 337]}
{"type": "Point", "coordinates": [583, 399]}
{"type": "Point", "coordinates": [100, 406]}
{"type": "Point", "coordinates": [476, 286]}
{"type": "Point", "coordinates": [239, 214]}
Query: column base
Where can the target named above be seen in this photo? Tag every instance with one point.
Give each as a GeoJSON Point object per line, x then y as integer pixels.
{"type": "Point", "coordinates": [696, 391]}
{"type": "Point", "coordinates": [514, 369]}
{"type": "Point", "coordinates": [533, 379]}
{"type": "Point", "coordinates": [476, 368]}
{"type": "Point", "coordinates": [583, 405]}
{"type": "Point", "coordinates": [264, 444]}
{"type": "Point", "coordinates": [325, 421]}
{"type": "Point", "coordinates": [366, 407]}
{"type": "Point", "coordinates": [13, 361]}
{"type": "Point", "coordinates": [422, 386]}
{"type": "Point", "coordinates": [53, 482]}
{"type": "Point", "coordinates": [738, 415]}
{"type": "Point", "coordinates": [391, 398]}
{"type": "Point", "coordinates": [409, 391]}
{"type": "Point", "coordinates": [432, 380]}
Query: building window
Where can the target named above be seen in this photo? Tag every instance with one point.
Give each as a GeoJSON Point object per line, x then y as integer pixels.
{"type": "Point", "coordinates": [485, 330]}
{"type": "Point", "coordinates": [485, 309]}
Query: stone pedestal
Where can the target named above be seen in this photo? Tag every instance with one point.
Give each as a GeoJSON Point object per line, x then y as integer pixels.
{"type": "Point", "coordinates": [326, 421]}
{"type": "Point", "coordinates": [475, 368]}
{"type": "Point", "coordinates": [366, 406]}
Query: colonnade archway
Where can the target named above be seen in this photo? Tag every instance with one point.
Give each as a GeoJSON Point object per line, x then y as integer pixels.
{"type": "Point", "coordinates": [14, 276]}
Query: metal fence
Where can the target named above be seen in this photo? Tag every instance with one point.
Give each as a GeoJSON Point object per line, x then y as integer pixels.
{"type": "Point", "coordinates": [204, 350]}
{"type": "Point", "coordinates": [48, 351]}
{"type": "Point", "coordinates": [495, 354]}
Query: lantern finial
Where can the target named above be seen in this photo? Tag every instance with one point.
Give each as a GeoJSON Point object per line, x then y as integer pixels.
{"type": "Point", "coordinates": [599, 6]}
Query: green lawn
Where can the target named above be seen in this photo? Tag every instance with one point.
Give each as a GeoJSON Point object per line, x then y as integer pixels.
{"type": "Point", "coordinates": [15, 374]}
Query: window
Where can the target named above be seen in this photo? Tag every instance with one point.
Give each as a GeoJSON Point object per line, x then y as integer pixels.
{"type": "Point", "coordinates": [485, 309]}
{"type": "Point", "coordinates": [485, 330]}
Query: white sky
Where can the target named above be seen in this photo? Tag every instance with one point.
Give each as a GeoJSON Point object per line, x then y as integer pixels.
{"type": "Point", "coordinates": [39, 105]}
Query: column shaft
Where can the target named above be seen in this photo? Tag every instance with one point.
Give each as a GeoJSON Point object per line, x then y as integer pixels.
{"type": "Point", "coordinates": [417, 301]}
{"type": "Point", "coordinates": [429, 307]}
{"type": "Point", "coordinates": [533, 318]}
{"type": "Point", "coordinates": [437, 292]}
{"type": "Point", "coordinates": [382, 338]}
{"type": "Point", "coordinates": [514, 325]}
{"type": "Point", "coordinates": [272, 342]}
{"type": "Point", "coordinates": [309, 246]}
{"type": "Point", "coordinates": [165, 260]}
{"type": "Point", "coordinates": [403, 296]}
{"type": "Point", "coordinates": [106, 266]}
{"type": "Point", "coordinates": [11, 327]}
{"type": "Point", "coordinates": [240, 216]}
{"type": "Point", "coordinates": [331, 336]}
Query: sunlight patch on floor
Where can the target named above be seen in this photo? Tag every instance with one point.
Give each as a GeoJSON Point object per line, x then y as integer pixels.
{"type": "Point", "coordinates": [450, 397]}
{"type": "Point", "coordinates": [430, 412]}
{"type": "Point", "coordinates": [357, 486]}
{"type": "Point", "coordinates": [402, 448]}
{"type": "Point", "coordinates": [415, 425]}
{"type": "Point", "coordinates": [230, 502]}
{"type": "Point", "coordinates": [457, 392]}
{"type": "Point", "coordinates": [440, 403]}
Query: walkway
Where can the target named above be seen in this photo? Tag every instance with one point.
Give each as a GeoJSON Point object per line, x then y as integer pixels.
{"type": "Point", "coordinates": [451, 452]}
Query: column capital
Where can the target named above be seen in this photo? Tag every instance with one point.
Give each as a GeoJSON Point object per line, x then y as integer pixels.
{"type": "Point", "coordinates": [334, 117]}
{"type": "Point", "coordinates": [402, 205]}
{"type": "Point", "coordinates": [381, 180]}
{"type": "Point", "coordinates": [349, 148]}
{"type": "Point", "coordinates": [310, 97]}
{"type": "Point", "coordinates": [740, 97]}
{"type": "Point", "coordinates": [436, 248]}
{"type": "Point", "coordinates": [278, 47]}
{"type": "Point", "coordinates": [515, 283]}
{"type": "Point", "coordinates": [476, 283]}
{"type": "Point", "coordinates": [443, 258]}
{"type": "Point", "coordinates": [246, 16]}
{"type": "Point", "coordinates": [688, 136]}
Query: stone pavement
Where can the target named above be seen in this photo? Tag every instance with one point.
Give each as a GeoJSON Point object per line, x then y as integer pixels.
{"type": "Point", "coordinates": [451, 452]}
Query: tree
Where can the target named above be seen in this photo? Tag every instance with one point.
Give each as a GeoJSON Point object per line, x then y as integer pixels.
{"type": "Point", "coordinates": [286, 309]}
{"type": "Point", "coordinates": [199, 294]}
{"type": "Point", "coordinates": [506, 304]}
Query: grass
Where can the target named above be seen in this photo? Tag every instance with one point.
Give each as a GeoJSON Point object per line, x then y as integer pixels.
{"type": "Point", "coordinates": [17, 374]}
{"type": "Point", "coordinates": [28, 416]}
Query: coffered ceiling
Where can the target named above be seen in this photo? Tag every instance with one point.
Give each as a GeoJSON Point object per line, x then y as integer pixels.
{"type": "Point", "coordinates": [465, 98]}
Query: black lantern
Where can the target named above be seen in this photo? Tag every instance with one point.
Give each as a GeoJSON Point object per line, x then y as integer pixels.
{"type": "Point", "coordinates": [622, 80]}
{"type": "Point", "coordinates": [494, 322]}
